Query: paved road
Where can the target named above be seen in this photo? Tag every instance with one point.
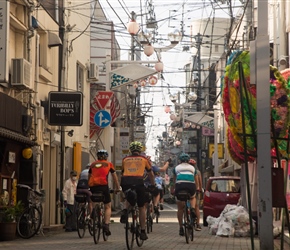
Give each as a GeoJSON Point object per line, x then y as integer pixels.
{"type": "Point", "coordinates": [164, 236]}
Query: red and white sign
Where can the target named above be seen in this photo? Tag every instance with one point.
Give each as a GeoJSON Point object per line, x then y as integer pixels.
{"type": "Point", "coordinates": [103, 97]}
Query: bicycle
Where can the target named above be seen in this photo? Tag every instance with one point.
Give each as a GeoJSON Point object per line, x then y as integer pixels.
{"type": "Point", "coordinates": [132, 225]}
{"type": "Point", "coordinates": [189, 221]}
{"type": "Point", "coordinates": [83, 219]}
{"type": "Point", "coordinates": [29, 222]}
{"type": "Point", "coordinates": [98, 215]}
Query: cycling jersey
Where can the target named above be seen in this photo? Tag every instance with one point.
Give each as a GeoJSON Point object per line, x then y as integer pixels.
{"type": "Point", "coordinates": [184, 172]}
{"type": "Point", "coordinates": [134, 165]}
{"type": "Point", "coordinates": [99, 171]}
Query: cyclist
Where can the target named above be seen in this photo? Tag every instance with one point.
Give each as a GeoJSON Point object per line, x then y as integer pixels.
{"type": "Point", "coordinates": [83, 186]}
{"type": "Point", "coordinates": [185, 177]}
{"type": "Point", "coordinates": [133, 167]}
{"type": "Point", "coordinates": [158, 198]}
{"type": "Point", "coordinates": [98, 181]}
{"type": "Point", "coordinates": [198, 194]}
{"type": "Point", "coordinates": [156, 192]}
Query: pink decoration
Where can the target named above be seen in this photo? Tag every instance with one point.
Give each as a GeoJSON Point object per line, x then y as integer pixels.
{"type": "Point", "coordinates": [167, 109]}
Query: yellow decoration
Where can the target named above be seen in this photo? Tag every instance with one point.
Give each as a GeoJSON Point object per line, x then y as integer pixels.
{"type": "Point", "coordinates": [27, 153]}
{"type": "Point", "coordinates": [234, 100]}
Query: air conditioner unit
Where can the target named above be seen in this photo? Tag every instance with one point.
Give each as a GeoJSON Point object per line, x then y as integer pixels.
{"type": "Point", "coordinates": [93, 72]}
{"type": "Point", "coordinates": [21, 73]}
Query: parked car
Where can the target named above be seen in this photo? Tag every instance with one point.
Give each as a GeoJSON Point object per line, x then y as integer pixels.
{"type": "Point", "coordinates": [220, 191]}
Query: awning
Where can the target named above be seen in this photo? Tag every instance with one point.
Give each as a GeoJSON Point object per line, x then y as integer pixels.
{"type": "Point", "coordinates": [200, 118]}
{"type": "Point", "coordinates": [16, 136]}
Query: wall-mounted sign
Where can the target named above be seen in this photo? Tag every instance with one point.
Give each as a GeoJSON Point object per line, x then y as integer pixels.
{"type": "Point", "coordinates": [65, 108]}
{"type": "Point", "coordinates": [220, 150]}
{"type": "Point", "coordinates": [11, 157]}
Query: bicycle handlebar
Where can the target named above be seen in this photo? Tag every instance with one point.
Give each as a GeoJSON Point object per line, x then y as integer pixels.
{"type": "Point", "coordinates": [30, 189]}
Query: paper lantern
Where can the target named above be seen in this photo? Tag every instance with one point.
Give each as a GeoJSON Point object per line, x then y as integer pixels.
{"type": "Point", "coordinates": [159, 66]}
{"type": "Point", "coordinates": [172, 117]}
{"type": "Point", "coordinates": [135, 85]}
{"type": "Point", "coordinates": [148, 50]}
{"type": "Point", "coordinates": [27, 153]}
{"type": "Point", "coordinates": [177, 143]}
{"type": "Point", "coordinates": [167, 109]}
{"type": "Point", "coordinates": [133, 27]}
{"type": "Point", "coordinates": [152, 80]}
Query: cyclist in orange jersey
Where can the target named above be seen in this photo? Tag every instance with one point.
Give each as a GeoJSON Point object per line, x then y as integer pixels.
{"type": "Point", "coordinates": [133, 167]}
{"type": "Point", "coordinates": [98, 181]}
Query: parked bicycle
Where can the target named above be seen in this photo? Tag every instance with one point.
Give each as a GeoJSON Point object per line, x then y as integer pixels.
{"type": "Point", "coordinates": [98, 215]}
{"type": "Point", "coordinates": [189, 221]}
{"type": "Point", "coordinates": [30, 221]}
{"type": "Point", "coordinates": [83, 216]}
{"type": "Point", "coordinates": [132, 225]}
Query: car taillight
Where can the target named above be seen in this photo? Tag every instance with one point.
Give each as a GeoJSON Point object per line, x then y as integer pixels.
{"type": "Point", "coordinates": [206, 196]}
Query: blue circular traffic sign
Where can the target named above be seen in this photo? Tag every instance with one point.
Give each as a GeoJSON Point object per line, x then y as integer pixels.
{"type": "Point", "coordinates": [102, 118]}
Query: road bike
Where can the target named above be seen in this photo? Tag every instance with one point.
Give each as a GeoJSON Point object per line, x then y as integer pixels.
{"type": "Point", "coordinates": [98, 215]}
{"type": "Point", "coordinates": [189, 220]}
{"type": "Point", "coordinates": [29, 222]}
{"type": "Point", "coordinates": [132, 226]}
{"type": "Point", "coordinates": [83, 216]}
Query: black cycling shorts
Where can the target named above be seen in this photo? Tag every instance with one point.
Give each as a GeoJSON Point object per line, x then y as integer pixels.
{"type": "Point", "coordinates": [105, 190]}
{"type": "Point", "coordinates": [189, 187]}
{"type": "Point", "coordinates": [128, 182]}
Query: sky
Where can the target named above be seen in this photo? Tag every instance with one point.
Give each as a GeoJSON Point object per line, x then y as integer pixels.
{"type": "Point", "coordinates": [170, 15]}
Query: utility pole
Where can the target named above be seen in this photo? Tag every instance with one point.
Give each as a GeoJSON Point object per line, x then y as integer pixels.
{"type": "Point", "coordinates": [198, 39]}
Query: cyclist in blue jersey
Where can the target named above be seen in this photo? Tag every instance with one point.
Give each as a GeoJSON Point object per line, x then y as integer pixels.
{"type": "Point", "coordinates": [185, 178]}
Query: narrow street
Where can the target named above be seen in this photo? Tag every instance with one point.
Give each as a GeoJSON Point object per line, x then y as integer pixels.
{"type": "Point", "coordinates": [164, 236]}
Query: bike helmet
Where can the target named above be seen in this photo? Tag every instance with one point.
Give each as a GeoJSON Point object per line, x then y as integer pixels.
{"type": "Point", "coordinates": [102, 154]}
{"type": "Point", "coordinates": [135, 146]}
{"type": "Point", "coordinates": [191, 161]}
{"type": "Point", "coordinates": [184, 157]}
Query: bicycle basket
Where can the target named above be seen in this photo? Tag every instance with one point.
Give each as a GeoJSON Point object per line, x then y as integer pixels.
{"type": "Point", "coordinates": [97, 197]}
{"type": "Point", "coordinates": [131, 197]}
{"type": "Point", "coordinates": [182, 195]}
{"type": "Point", "coordinates": [80, 198]}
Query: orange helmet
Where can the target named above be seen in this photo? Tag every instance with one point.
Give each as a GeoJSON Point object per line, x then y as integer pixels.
{"type": "Point", "coordinates": [191, 161]}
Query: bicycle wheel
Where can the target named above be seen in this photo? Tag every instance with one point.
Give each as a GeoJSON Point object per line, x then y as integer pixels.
{"type": "Point", "coordinates": [96, 225]}
{"type": "Point", "coordinates": [186, 223]}
{"type": "Point", "coordinates": [138, 232]}
{"type": "Point", "coordinates": [81, 221]}
{"type": "Point", "coordinates": [90, 226]}
{"type": "Point", "coordinates": [148, 219]}
{"type": "Point", "coordinates": [130, 231]}
{"type": "Point", "coordinates": [191, 228]}
{"type": "Point", "coordinates": [29, 222]}
{"type": "Point", "coordinates": [105, 236]}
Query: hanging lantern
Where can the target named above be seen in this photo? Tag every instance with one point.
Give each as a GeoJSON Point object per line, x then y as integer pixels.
{"type": "Point", "coordinates": [159, 66]}
{"type": "Point", "coordinates": [186, 125]}
{"type": "Point", "coordinates": [152, 80]}
{"type": "Point", "coordinates": [172, 117]}
{"type": "Point", "coordinates": [135, 85]}
{"type": "Point", "coordinates": [167, 109]}
{"type": "Point", "coordinates": [192, 125]}
{"type": "Point", "coordinates": [133, 27]}
{"type": "Point", "coordinates": [148, 50]}
{"type": "Point", "coordinates": [143, 83]}
{"type": "Point", "coordinates": [27, 153]}
{"type": "Point", "coordinates": [177, 143]}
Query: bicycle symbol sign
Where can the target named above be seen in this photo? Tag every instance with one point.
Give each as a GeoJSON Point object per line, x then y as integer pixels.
{"type": "Point", "coordinates": [102, 118]}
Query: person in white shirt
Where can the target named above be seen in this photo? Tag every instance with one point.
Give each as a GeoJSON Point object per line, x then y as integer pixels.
{"type": "Point", "coordinates": [68, 193]}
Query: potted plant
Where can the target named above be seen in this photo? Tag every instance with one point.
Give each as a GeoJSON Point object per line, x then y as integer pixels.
{"type": "Point", "coordinates": [8, 217]}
